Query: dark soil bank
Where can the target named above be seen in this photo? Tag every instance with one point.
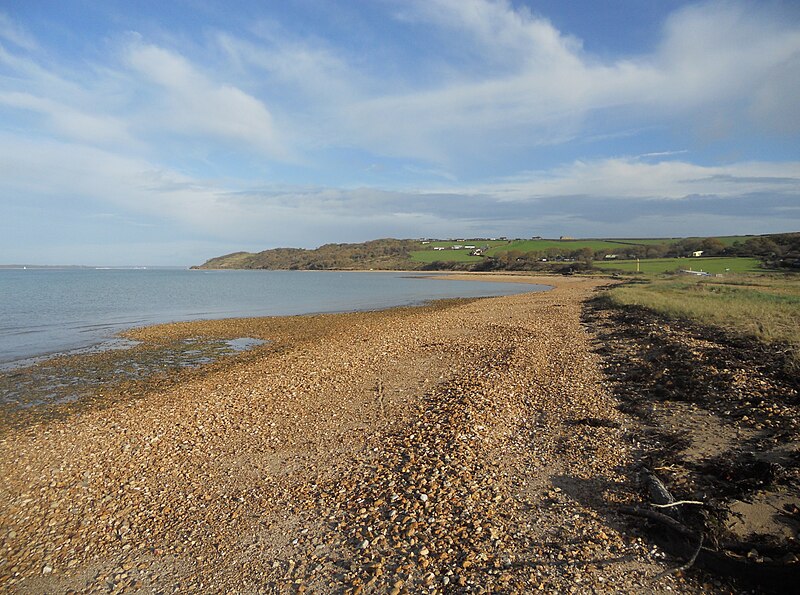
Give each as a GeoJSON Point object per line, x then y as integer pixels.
{"type": "Point", "coordinates": [719, 418]}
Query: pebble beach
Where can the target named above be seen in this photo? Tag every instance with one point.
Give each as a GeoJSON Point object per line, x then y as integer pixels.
{"type": "Point", "coordinates": [463, 446]}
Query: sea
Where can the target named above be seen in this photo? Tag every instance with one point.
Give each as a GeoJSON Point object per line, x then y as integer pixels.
{"type": "Point", "coordinates": [53, 311]}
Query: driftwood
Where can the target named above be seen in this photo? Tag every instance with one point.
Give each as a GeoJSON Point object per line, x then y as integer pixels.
{"type": "Point", "coordinates": [662, 518]}
{"type": "Point", "coordinates": [773, 576]}
{"type": "Point", "coordinates": [685, 542]}
{"type": "Point", "coordinates": [677, 503]}
{"type": "Point", "coordinates": [683, 568]}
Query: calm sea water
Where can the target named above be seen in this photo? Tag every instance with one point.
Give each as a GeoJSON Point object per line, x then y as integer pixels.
{"type": "Point", "coordinates": [55, 310]}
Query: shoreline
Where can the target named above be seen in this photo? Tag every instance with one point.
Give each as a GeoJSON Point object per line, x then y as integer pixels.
{"type": "Point", "coordinates": [435, 447]}
{"type": "Point", "coordinates": [112, 342]}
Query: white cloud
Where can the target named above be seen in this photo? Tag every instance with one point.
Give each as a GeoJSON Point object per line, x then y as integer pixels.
{"type": "Point", "coordinates": [512, 82]}
{"type": "Point", "coordinates": [776, 104]}
{"type": "Point", "coordinates": [500, 33]}
{"type": "Point", "coordinates": [159, 91]}
{"type": "Point", "coordinates": [71, 123]}
{"type": "Point", "coordinates": [315, 72]}
{"type": "Point", "coordinates": [628, 178]}
{"type": "Point", "coordinates": [612, 197]}
{"type": "Point", "coordinates": [79, 171]}
{"type": "Point", "coordinates": [524, 83]}
{"type": "Point", "coordinates": [723, 52]}
{"type": "Point", "coordinates": [31, 77]}
{"type": "Point", "coordinates": [195, 105]}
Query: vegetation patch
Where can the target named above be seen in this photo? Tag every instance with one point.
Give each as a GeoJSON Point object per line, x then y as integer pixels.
{"type": "Point", "coordinates": [655, 266]}
{"type": "Point", "coordinates": [385, 254]}
{"type": "Point", "coordinates": [429, 256]}
{"type": "Point", "coordinates": [765, 306]}
{"type": "Point", "coordinates": [564, 246]}
{"type": "Point", "coordinates": [717, 425]}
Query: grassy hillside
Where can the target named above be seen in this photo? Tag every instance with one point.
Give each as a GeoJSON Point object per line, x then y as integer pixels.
{"type": "Point", "coordinates": [656, 254]}
{"type": "Point", "coordinates": [555, 248]}
{"type": "Point", "coordinates": [563, 245]}
{"type": "Point", "coordinates": [729, 240]}
{"type": "Point", "coordinates": [498, 248]}
{"type": "Point", "coordinates": [237, 260]}
{"type": "Point", "coordinates": [386, 254]}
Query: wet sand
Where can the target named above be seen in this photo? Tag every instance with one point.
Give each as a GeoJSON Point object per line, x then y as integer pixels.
{"type": "Point", "coordinates": [466, 446]}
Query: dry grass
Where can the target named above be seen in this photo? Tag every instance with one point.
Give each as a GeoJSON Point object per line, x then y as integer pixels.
{"type": "Point", "coordinates": [763, 306]}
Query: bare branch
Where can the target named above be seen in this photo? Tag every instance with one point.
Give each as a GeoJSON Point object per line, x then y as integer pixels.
{"type": "Point", "coordinates": [678, 503]}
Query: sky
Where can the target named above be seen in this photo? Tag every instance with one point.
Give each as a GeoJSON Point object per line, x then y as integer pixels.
{"type": "Point", "coordinates": [166, 133]}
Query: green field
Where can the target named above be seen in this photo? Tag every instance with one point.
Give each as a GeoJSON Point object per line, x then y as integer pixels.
{"type": "Point", "coordinates": [765, 306]}
{"type": "Point", "coordinates": [566, 245]}
{"type": "Point", "coordinates": [444, 256]}
{"type": "Point", "coordinates": [497, 247]}
{"type": "Point", "coordinates": [729, 240]}
{"type": "Point", "coordinates": [654, 266]}
{"type": "Point", "coordinates": [427, 254]}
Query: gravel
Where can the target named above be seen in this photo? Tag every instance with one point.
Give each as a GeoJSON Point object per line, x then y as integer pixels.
{"type": "Point", "coordinates": [467, 446]}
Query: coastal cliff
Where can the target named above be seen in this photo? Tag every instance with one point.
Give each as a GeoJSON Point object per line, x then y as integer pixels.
{"type": "Point", "coordinates": [386, 254]}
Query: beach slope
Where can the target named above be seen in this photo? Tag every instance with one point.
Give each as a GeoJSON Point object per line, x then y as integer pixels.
{"type": "Point", "coordinates": [468, 446]}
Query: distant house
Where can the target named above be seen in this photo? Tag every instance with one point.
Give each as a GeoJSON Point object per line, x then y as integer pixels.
{"type": "Point", "coordinates": [697, 253]}
{"type": "Point", "coordinates": [469, 247]}
{"type": "Point", "coordinates": [610, 256]}
{"type": "Point", "coordinates": [457, 247]}
{"type": "Point", "coordinates": [566, 238]}
{"type": "Point", "coordinates": [426, 242]}
{"type": "Point", "coordinates": [438, 247]}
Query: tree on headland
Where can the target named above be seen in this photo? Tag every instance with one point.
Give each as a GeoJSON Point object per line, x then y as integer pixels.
{"type": "Point", "coordinates": [586, 255]}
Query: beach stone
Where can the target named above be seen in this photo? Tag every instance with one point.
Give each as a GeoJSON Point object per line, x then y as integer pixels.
{"type": "Point", "coordinates": [369, 452]}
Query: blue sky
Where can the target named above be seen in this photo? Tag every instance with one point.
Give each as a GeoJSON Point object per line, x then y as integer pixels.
{"type": "Point", "coordinates": [170, 132]}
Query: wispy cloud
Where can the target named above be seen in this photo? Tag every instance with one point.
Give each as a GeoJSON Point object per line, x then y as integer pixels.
{"type": "Point", "coordinates": [14, 33]}
{"type": "Point", "coordinates": [664, 153]}
{"type": "Point", "coordinates": [714, 56]}
{"type": "Point", "coordinates": [71, 123]}
{"type": "Point", "coordinates": [618, 191]}
{"type": "Point", "coordinates": [195, 105]}
{"type": "Point", "coordinates": [512, 82]}
{"type": "Point", "coordinates": [629, 178]}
